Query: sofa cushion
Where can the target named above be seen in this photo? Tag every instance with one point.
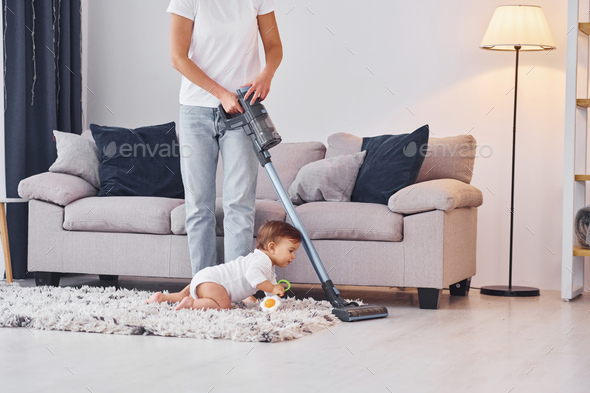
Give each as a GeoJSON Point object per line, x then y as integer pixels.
{"type": "Point", "coordinates": [330, 179]}
{"type": "Point", "coordinates": [440, 194]}
{"type": "Point", "coordinates": [141, 162]}
{"type": "Point", "coordinates": [287, 159]}
{"type": "Point", "coordinates": [351, 221]}
{"type": "Point", "coordinates": [78, 156]}
{"type": "Point", "coordinates": [449, 158]}
{"type": "Point", "coordinates": [266, 210]}
{"type": "Point", "coordinates": [121, 214]}
{"type": "Point", "coordinates": [58, 188]}
{"type": "Point", "coordinates": [392, 163]}
{"type": "Point", "coordinates": [178, 220]}
{"type": "Point", "coordinates": [343, 144]}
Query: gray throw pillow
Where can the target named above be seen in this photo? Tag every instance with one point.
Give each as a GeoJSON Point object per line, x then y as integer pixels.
{"type": "Point", "coordinates": [78, 156]}
{"type": "Point", "coordinates": [59, 188]}
{"type": "Point", "coordinates": [330, 179]}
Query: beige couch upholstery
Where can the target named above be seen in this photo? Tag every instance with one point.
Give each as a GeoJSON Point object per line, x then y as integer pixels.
{"type": "Point", "coordinates": [425, 237]}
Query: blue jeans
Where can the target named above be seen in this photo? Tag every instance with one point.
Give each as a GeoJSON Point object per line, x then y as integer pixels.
{"type": "Point", "coordinates": [202, 135]}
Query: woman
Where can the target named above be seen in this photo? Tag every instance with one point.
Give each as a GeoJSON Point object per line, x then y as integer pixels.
{"type": "Point", "coordinates": [214, 45]}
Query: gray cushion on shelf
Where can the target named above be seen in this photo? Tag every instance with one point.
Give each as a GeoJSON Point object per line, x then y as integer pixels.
{"type": "Point", "coordinates": [581, 224]}
{"type": "Point", "coordinates": [351, 221]}
{"type": "Point", "coordinates": [330, 179]}
{"type": "Point", "coordinates": [121, 214]}
{"type": "Point", "coordinates": [440, 194]}
{"type": "Point", "coordinates": [58, 188]}
{"type": "Point", "coordinates": [78, 156]}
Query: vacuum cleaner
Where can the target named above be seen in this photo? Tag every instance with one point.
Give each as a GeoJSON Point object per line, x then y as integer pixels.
{"type": "Point", "coordinates": [257, 124]}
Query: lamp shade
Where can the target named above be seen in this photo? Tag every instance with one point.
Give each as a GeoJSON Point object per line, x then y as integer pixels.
{"type": "Point", "coordinates": [518, 25]}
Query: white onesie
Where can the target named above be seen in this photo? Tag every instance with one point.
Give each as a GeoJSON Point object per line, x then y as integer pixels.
{"type": "Point", "coordinates": [239, 277]}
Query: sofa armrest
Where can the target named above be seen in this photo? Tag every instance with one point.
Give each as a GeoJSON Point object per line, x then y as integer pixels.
{"type": "Point", "coordinates": [439, 194]}
{"type": "Point", "coordinates": [57, 188]}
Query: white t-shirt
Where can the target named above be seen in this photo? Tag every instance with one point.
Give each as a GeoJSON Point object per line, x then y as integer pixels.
{"type": "Point", "coordinates": [239, 277]}
{"type": "Point", "coordinates": [224, 43]}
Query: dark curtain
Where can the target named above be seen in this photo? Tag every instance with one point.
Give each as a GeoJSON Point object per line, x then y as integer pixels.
{"type": "Point", "coordinates": [42, 79]}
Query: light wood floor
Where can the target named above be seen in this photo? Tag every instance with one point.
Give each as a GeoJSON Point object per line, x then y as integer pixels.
{"type": "Point", "coordinates": [472, 344]}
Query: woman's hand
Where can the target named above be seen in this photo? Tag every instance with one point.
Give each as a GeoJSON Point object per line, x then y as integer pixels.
{"type": "Point", "coordinates": [259, 87]}
{"type": "Point", "coordinates": [230, 102]}
{"type": "Point", "coordinates": [273, 52]}
{"type": "Point", "coordinates": [278, 290]}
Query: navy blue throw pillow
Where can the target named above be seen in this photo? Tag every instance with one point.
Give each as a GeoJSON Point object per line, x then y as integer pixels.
{"type": "Point", "coordinates": [141, 162]}
{"type": "Point", "coordinates": [392, 163]}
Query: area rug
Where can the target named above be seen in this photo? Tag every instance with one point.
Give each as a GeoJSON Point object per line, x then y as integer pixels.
{"type": "Point", "coordinates": [122, 311]}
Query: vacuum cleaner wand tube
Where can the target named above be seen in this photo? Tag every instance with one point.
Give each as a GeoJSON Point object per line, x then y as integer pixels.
{"type": "Point", "coordinates": [256, 123]}
{"type": "Point", "coordinates": [307, 245]}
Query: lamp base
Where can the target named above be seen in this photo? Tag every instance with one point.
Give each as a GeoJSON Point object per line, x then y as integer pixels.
{"type": "Point", "coordinates": [509, 291]}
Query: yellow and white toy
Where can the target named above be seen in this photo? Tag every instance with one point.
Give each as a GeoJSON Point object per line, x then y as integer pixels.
{"type": "Point", "coordinates": [272, 302]}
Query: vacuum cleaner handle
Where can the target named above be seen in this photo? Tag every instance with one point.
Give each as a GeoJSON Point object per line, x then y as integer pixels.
{"type": "Point", "coordinates": [237, 120]}
{"type": "Point", "coordinates": [255, 122]}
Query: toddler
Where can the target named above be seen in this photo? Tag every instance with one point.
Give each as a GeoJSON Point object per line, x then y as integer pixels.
{"type": "Point", "coordinates": [218, 286]}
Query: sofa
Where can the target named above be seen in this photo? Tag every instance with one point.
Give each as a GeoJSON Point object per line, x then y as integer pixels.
{"type": "Point", "coordinates": [424, 237]}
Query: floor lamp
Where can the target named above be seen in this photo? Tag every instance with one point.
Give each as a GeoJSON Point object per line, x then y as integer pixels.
{"type": "Point", "coordinates": [516, 28]}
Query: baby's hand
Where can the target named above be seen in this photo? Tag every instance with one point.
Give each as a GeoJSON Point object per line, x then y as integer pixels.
{"type": "Point", "coordinates": [278, 290]}
{"type": "Point", "coordinates": [250, 299]}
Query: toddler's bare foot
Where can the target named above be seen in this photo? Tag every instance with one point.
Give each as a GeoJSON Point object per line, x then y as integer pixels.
{"type": "Point", "coordinates": [187, 302]}
{"type": "Point", "coordinates": [156, 298]}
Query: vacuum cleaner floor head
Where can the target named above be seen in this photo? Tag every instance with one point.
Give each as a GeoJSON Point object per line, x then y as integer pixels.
{"type": "Point", "coordinates": [353, 313]}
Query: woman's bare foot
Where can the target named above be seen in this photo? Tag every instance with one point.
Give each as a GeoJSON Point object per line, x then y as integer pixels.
{"type": "Point", "coordinates": [187, 302]}
{"type": "Point", "coordinates": [157, 297]}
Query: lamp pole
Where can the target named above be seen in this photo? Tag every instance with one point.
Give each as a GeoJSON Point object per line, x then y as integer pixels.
{"type": "Point", "coordinates": [503, 290]}
{"type": "Point", "coordinates": [517, 49]}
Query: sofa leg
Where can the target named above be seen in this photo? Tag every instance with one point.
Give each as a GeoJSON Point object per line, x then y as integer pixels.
{"type": "Point", "coordinates": [461, 288]}
{"type": "Point", "coordinates": [428, 298]}
{"type": "Point", "coordinates": [107, 277]}
{"type": "Point", "coordinates": [47, 278]}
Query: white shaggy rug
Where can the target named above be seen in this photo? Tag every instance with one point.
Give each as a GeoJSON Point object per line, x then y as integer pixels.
{"type": "Point", "coordinates": [123, 311]}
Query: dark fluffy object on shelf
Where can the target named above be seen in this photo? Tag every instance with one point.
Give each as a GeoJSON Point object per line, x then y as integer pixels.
{"type": "Point", "coordinates": [582, 223]}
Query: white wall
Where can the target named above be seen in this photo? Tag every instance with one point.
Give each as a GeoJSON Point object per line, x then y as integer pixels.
{"type": "Point", "coordinates": [385, 67]}
{"type": "Point", "coordinates": [130, 81]}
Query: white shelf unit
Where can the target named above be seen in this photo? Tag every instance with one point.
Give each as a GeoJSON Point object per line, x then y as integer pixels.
{"type": "Point", "coordinates": [575, 170]}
